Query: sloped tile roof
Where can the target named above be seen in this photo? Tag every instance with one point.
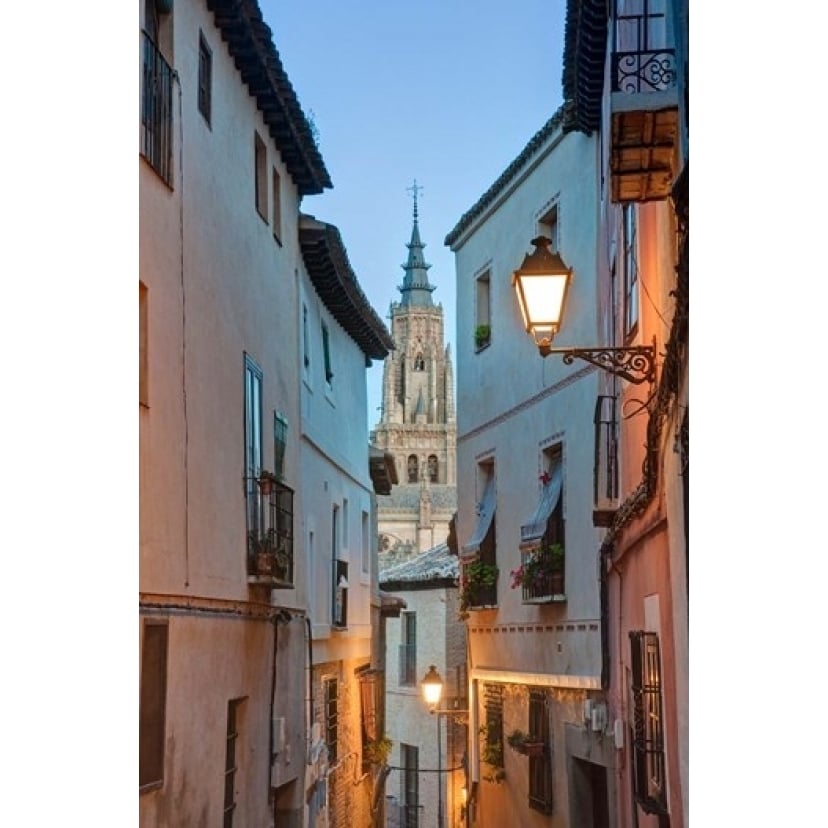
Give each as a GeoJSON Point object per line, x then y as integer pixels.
{"type": "Point", "coordinates": [250, 43]}
{"type": "Point", "coordinates": [436, 566]}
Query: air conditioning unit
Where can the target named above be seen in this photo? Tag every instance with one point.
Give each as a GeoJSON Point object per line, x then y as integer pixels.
{"type": "Point", "coordinates": [599, 716]}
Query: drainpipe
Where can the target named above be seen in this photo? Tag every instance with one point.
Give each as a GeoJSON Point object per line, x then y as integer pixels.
{"type": "Point", "coordinates": [271, 796]}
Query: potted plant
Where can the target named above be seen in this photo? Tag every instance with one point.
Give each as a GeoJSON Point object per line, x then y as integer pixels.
{"type": "Point", "coordinates": [482, 335]}
{"type": "Point", "coordinates": [476, 583]}
{"type": "Point", "coordinates": [491, 753]}
{"type": "Point", "coordinates": [524, 743]}
{"type": "Point", "coordinates": [542, 571]}
{"type": "Point", "coordinates": [376, 750]}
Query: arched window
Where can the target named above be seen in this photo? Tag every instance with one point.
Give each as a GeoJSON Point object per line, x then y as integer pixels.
{"type": "Point", "coordinates": [433, 468]}
{"type": "Point", "coordinates": [412, 468]}
{"type": "Point", "coordinates": [419, 363]}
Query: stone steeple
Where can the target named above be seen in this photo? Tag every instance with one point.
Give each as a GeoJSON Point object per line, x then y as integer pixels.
{"type": "Point", "coordinates": [418, 425]}
{"type": "Point", "coordinates": [415, 288]}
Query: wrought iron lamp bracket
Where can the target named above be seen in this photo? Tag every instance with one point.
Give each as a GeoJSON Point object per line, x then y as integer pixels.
{"type": "Point", "coordinates": [635, 363]}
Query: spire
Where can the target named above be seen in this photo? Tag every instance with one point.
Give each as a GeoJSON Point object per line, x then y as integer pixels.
{"type": "Point", "coordinates": [416, 289]}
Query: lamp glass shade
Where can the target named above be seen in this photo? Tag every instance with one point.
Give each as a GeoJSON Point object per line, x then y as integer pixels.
{"type": "Point", "coordinates": [541, 284]}
{"type": "Point", "coordinates": [432, 686]}
{"type": "Point", "coordinates": [541, 297]}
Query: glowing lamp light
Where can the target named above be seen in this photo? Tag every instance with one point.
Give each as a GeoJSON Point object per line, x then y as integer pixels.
{"type": "Point", "coordinates": [432, 687]}
{"type": "Point", "coordinates": [541, 284]}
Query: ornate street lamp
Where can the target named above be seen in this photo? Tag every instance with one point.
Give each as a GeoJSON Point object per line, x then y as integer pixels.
{"type": "Point", "coordinates": [541, 284]}
{"type": "Point", "coordinates": [432, 687]}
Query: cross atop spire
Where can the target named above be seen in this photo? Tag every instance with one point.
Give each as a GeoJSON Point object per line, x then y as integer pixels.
{"type": "Point", "coordinates": [415, 288]}
{"type": "Point", "coordinates": [414, 188]}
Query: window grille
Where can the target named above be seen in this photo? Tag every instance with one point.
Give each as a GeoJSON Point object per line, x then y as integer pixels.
{"type": "Point", "coordinates": [540, 767]}
{"type": "Point", "coordinates": [648, 734]}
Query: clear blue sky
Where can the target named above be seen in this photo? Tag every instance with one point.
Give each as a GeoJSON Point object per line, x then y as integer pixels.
{"type": "Point", "coordinates": [446, 92]}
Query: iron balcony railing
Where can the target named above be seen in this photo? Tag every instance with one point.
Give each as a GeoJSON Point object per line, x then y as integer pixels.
{"type": "Point", "coordinates": [269, 530]}
{"type": "Point", "coordinates": [156, 110]}
{"type": "Point", "coordinates": [642, 59]}
{"type": "Point", "coordinates": [543, 583]}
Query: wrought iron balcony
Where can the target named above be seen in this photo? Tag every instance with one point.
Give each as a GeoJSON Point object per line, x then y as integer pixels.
{"type": "Point", "coordinates": [156, 110]}
{"type": "Point", "coordinates": [644, 105]}
{"type": "Point", "coordinates": [269, 532]}
{"type": "Point", "coordinates": [542, 580]}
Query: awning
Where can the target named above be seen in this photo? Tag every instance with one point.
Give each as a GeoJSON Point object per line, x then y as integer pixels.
{"type": "Point", "coordinates": [532, 532]}
{"type": "Point", "coordinates": [485, 513]}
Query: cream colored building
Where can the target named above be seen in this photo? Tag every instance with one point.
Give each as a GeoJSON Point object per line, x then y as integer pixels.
{"type": "Point", "coordinates": [233, 602]}
{"type": "Point", "coordinates": [525, 444]}
{"type": "Point", "coordinates": [418, 426]}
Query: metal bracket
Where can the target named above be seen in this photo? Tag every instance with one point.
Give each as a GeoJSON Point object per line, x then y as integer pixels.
{"type": "Point", "coordinates": [635, 363]}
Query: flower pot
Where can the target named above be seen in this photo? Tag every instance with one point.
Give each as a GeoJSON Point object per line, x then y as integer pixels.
{"type": "Point", "coordinates": [532, 748]}
{"type": "Point", "coordinates": [265, 485]}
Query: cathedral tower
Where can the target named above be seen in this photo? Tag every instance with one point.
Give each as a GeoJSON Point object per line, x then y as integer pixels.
{"type": "Point", "coordinates": [418, 425]}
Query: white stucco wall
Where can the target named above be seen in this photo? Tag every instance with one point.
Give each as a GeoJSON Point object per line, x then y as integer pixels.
{"type": "Point", "coordinates": [218, 286]}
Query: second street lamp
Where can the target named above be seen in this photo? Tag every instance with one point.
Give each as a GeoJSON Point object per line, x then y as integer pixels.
{"type": "Point", "coordinates": [432, 688]}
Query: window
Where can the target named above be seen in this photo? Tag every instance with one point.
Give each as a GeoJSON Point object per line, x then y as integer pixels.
{"type": "Point", "coordinates": [433, 468]}
{"type": "Point", "coordinates": [492, 753]}
{"type": "Point", "coordinates": [230, 759]}
{"type": "Point", "coordinates": [205, 77]}
{"type": "Point", "coordinates": [419, 363]}
{"type": "Point", "coordinates": [408, 648]}
{"type": "Point", "coordinates": [153, 704]}
{"type": "Point", "coordinates": [346, 530]}
{"type": "Point", "coordinates": [260, 154]}
{"type": "Point", "coordinates": [371, 696]}
{"type": "Point", "coordinates": [366, 543]}
{"type": "Point", "coordinates": [548, 227]}
{"type": "Point", "coordinates": [143, 345]}
{"type": "Point", "coordinates": [410, 793]}
{"type": "Point", "coordinates": [478, 556]}
{"type": "Point", "coordinates": [305, 336]}
{"type": "Point", "coordinates": [280, 430]}
{"type": "Point", "coordinates": [340, 594]}
{"type": "Point", "coordinates": [252, 442]}
{"type": "Point", "coordinates": [630, 269]}
{"type": "Point", "coordinates": [605, 463]}
{"type": "Point", "coordinates": [326, 350]}
{"type": "Point", "coordinates": [331, 696]}
{"type": "Point", "coordinates": [648, 734]}
{"type": "Point", "coordinates": [483, 328]}
{"type": "Point", "coordinates": [540, 767]}
{"type": "Point", "coordinates": [156, 109]}
{"type": "Point", "coordinates": [412, 468]}
{"type": "Point", "coordinates": [277, 206]}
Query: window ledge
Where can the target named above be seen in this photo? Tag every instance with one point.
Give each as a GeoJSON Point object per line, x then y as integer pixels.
{"type": "Point", "coordinates": [558, 598]}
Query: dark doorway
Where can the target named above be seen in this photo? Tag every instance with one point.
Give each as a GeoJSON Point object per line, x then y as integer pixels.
{"type": "Point", "coordinates": [590, 805]}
